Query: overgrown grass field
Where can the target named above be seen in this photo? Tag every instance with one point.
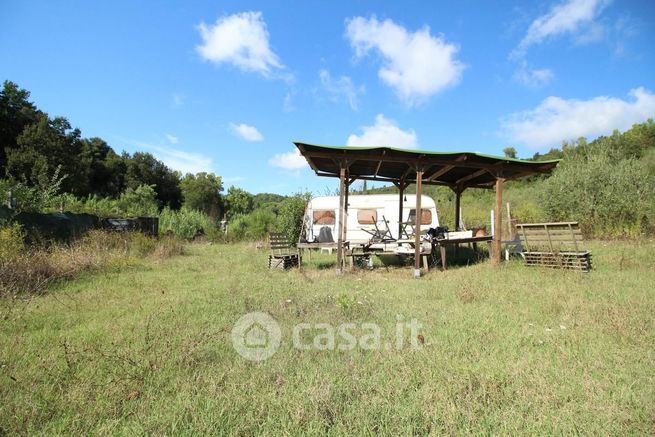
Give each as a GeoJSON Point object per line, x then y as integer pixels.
{"type": "Point", "coordinates": [146, 349]}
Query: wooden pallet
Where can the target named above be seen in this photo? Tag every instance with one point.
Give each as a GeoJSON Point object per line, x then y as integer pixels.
{"type": "Point", "coordinates": [571, 261]}
{"type": "Point", "coordinates": [554, 245]}
{"type": "Point", "coordinates": [283, 261]}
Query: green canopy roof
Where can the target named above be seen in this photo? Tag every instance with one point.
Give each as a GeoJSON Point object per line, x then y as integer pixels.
{"type": "Point", "coordinates": [390, 164]}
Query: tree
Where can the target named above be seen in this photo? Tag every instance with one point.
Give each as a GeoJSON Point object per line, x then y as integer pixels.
{"type": "Point", "coordinates": [202, 192]}
{"type": "Point", "coordinates": [145, 169]}
{"type": "Point", "coordinates": [553, 153]}
{"type": "Point", "coordinates": [510, 152]}
{"type": "Point", "coordinates": [105, 170]}
{"type": "Point", "coordinates": [238, 202]}
{"type": "Point", "coordinates": [42, 148]}
{"type": "Point", "coordinates": [262, 199]}
{"type": "Point", "coordinates": [16, 112]}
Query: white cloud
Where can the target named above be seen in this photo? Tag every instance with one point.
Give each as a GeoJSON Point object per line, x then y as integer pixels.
{"type": "Point", "coordinates": [180, 160]}
{"type": "Point", "coordinates": [533, 77]}
{"type": "Point", "coordinates": [341, 87]}
{"type": "Point", "coordinates": [595, 32]}
{"type": "Point", "coordinates": [246, 132]}
{"type": "Point", "coordinates": [289, 161]}
{"type": "Point", "coordinates": [569, 17]}
{"type": "Point", "coordinates": [417, 65]}
{"type": "Point", "coordinates": [241, 40]}
{"type": "Point", "coordinates": [172, 139]}
{"type": "Point", "coordinates": [386, 133]}
{"type": "Point", "coordinates": [556, 119]}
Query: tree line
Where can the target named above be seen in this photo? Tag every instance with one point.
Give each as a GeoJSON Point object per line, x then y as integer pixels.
{"type": "Point", "coordinates": [39, 152]}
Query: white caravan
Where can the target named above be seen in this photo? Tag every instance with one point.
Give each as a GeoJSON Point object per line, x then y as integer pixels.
{"type": "Point", "coordinates": [364, 213]}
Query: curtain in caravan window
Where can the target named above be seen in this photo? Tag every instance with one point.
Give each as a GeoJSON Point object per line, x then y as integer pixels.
{"type": "Point", "coordinates": [426, 216]}
{"type": "Point", "coordinates": [367, 216]}
{"type": "Point", "coordinates": [324, 217]}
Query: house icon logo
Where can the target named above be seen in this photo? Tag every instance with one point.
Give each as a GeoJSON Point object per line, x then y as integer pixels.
{"type": "Point", "coordinates": [256, 336]}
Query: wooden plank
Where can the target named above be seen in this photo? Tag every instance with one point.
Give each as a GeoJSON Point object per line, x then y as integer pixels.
{"type": "Point", "coordinates": [544, 238]}
{"type": "Point", "coordinates": [556, 234]}
{"type": "Point", "coordinates": [527, 225]}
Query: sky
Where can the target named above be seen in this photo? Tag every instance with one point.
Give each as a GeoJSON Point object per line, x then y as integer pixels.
{"type": "Point", "coordinates": [225, 87]}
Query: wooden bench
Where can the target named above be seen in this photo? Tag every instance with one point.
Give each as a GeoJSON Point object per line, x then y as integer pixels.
{"type": "Point", "coordinates": [554, 245]}
{"type": "Point", "coordinates": [283, 253]}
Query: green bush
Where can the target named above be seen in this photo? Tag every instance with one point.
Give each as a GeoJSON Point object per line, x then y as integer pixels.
{"type": "Point", "coordinates": [290, 217]}
{"type": "Point", "coordinates": [100, 206]}
{"type": "Point", "coordinates": [261, 222]}
{"type": "Point", "coordinates": [187, 224]}
{"type": "Point", "coordinates": [11, 242]}
{"type": "Point", "coordinates": [38, 198]}
{"type": "Point", "coordinates": [608, 197]}
{"type": "Point", "coordinates": [141, 201]}
{"type": "Point", "coordinates": [253, 226]}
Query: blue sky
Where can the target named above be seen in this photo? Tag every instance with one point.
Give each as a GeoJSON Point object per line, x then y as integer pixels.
{"type": "Point", "coordinates": [226, 86]}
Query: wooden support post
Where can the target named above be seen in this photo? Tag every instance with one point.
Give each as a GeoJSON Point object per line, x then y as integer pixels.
{"type": "Point", "coordinates": [498, 220]}
{"type": "Point", "coordinates": [417, 230]}
{"type": "Point", "coordinates": [401, 187]}
{"type": "Point", "coordinates": [458, 209]}
{"type": "Point", "coordinates": [345, 211]}
{"type": "Point", "coordinates": [342, 201]}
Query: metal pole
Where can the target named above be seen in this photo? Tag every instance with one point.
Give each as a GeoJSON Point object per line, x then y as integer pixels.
{"type": "Point", "coordinates": [401, 187]}
{"type": "Point", "coordinates": [342, 199]}
{"type": "Point", "coordinates": [417, 231]}
{"type": "Point", "coordinates": [498, 220]}
{"type": "Point", "coordinates": [458, 197]}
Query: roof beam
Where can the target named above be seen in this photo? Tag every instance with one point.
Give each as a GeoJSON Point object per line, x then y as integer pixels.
{"type": "Point", "coordinates": [471, 176]}
{"type": "Point", "coordinates": [377, 169]}
{"type": "Point", "coordinates": [442, 171]}
{"type": "Point", "coordinates": [409, 171]}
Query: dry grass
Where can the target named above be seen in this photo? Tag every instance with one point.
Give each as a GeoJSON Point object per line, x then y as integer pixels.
{"type": "Point", "coordinates": [30, 271]}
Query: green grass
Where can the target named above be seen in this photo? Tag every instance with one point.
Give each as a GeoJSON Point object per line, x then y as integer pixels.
{"type": "Point", "coordinates": [508, 350]}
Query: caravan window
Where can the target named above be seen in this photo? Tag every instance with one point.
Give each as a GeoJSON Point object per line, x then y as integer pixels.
{"type": "Point", "coordinates": [367, 216]}
{"type": "Point", "coordinates": [426, 216]}
{"type": "Point", "coordinates": [324, 217]}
